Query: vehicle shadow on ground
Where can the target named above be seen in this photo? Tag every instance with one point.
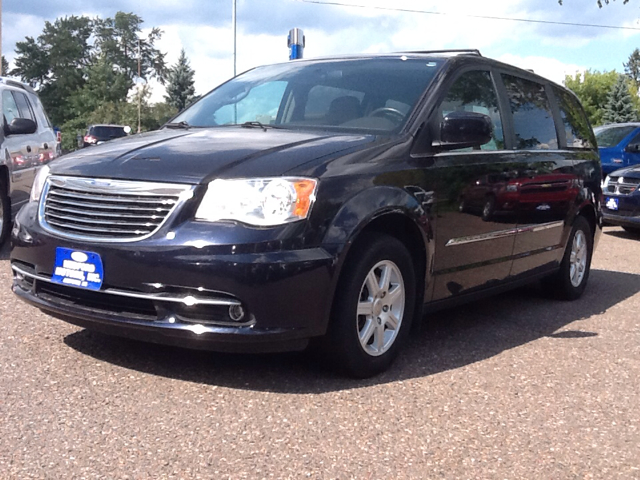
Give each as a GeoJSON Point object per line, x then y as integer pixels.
{"type": "Point", "coordinates": [622, 234]}
{"type": "Point", "coordinates": [447, 340]}
{"type": "Point", "coordinates": [4, 251]}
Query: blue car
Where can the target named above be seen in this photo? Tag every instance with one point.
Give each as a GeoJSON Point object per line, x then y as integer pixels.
{"type": "Point", "coordinates": [619, 145]}
{"type": "Point", "coordinates": [622, 199]}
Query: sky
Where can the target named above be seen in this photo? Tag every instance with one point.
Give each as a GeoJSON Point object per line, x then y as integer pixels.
{"type": "Point", "coordinates": [204, 29]}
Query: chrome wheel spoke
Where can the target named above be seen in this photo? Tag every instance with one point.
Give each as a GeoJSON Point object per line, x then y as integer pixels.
{"type": "Point", "coordinates": [578, 258]}
{"type": "Point", "coordinates": [367, 331]}
{"type": "Point", "coordinates": [395, 293]}
{"type": "Point", "coordinates": [365, 308]}
{"type": "Point", "coordinates": [384, 279]}
{"type": "Point", "coordinates": [372, 283]}
{"type": "Point", "coordinates": [392, 321]}
{"type": "Point", "coordinates": [378, 339]}
{"type": "Point", "coordinates": [380, 308]}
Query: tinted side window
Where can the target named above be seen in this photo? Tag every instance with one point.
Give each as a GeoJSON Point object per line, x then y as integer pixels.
{"type": "Point", "coordinates": [576, 125]}
{"type": "Point", "coordinates": [474, 92]}
{"type": "Point", "coordinates": [24, 107]}
{"type": "Point", "coordinates": [532, 119]}
{"type": "Point", "coordinates": [9, 107]}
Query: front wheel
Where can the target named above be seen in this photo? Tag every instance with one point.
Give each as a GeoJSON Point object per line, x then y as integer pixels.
{"type": "Point", "coordinates": [373, 307]}
{"type": "Point", "coordinates": [571, 280]}
{"type": "Point", "coordinates": [5, 213]}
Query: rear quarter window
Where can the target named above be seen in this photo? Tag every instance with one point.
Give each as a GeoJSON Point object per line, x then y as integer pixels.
{"type": "Point", "coordinates": [575, 123]}
{"type": "Point", "coordinates": [532, 118]}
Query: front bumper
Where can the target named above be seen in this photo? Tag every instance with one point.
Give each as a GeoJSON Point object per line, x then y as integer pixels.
{"type": "Point", "coordinates": [628, 212]}
{"type": "Point", "coordinates": [183, 290]}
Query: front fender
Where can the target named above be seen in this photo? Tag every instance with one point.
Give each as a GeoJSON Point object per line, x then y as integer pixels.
{"type": "Point", "coordinates": [368, 205]}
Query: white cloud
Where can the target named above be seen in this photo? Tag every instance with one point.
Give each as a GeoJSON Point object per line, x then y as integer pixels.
{"type": "Point", "coordinates": [550, 68]}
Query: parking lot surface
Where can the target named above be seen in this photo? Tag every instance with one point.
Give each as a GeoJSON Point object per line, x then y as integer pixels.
{"type": "Point", "coordinates": [515, 386]}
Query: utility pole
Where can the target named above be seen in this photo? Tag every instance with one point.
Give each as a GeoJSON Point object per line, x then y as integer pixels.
{"type": "Point", "coordinates": [1, 72]}
{"type": "Point", "coordinates": [233, 20]}
{"type": "Point", "coordinates": [139, 86]}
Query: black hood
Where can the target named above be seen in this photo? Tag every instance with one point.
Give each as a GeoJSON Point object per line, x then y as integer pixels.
{"type": "Point", "coordinates": [198, 155]}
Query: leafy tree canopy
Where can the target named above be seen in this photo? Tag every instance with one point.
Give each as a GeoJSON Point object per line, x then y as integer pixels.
{"type": "Point", "coordinates": [78, 62]}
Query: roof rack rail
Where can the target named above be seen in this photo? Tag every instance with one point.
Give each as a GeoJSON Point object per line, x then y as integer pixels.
{"type": "Point", "coordinates": [16, 84]}
{"type": "Point", "coordinates": [470, 51]}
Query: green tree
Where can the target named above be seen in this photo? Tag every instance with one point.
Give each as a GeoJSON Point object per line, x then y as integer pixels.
{"type": "Point", "coordinates": [180, 85]}
{"type": "Point", "coordinates": [5, 66]}
{"type": "Point", "coordinates": [619, 107]}
{"type": "Point", "coordinates": [592, 88]}
{"type": "Point", "coordinates": [632, 67]}
{"type": "Point", "coordinates": [54, 62]}
{"type": "Point", "coordinates": [78, 62]}
{"type": "Point", "coordinates": [120, 41]}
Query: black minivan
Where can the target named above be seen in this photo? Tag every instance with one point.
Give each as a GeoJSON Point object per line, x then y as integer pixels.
{"type": "Point", "coordinates": [328, 201]}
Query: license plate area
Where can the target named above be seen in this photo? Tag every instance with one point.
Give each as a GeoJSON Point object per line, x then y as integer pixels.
{"type": "Point", "coordinates": [77, 268]}
{"type": "Point", "coordinates": [612, 203]}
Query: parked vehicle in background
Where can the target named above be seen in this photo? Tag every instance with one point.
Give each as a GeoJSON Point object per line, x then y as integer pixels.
{"type": "Point", "coordinates": [97, 134]}
{"type": "Point", "coordinates": [622, 199]}
{"type": "Point", "coordinates": [318, 201]}
{"type": "Point", "coordinates": [27, 140]}
{"type": "Point", "coordinates": [619, 145]}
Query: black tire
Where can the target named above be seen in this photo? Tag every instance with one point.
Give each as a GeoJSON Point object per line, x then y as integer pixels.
{"type": "Point", "coordinates": [562, 284]}
{"type": "Point", "coordinates": [5, 213]}
{"type": "Point", "coordinates": [633, 230]}
{"type": "Point", "coordinates": [342, 346]}
{"type": "Point", "coordinates": [489, 208]}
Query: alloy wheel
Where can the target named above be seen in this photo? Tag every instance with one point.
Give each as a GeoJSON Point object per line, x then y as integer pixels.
{"type": "Point", "coordinates": [380, 308]}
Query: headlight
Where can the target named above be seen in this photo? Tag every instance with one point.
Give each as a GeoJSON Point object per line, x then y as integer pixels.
{"type": "Point", "coordinates": [38, 183]}
{"type": "Point", "coordinates": [262, 202]}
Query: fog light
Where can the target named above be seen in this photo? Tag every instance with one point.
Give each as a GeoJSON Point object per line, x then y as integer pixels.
{"type": "Point", "coordinates": [236, 313]}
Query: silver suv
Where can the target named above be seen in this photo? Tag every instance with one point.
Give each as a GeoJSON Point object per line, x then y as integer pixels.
{"type": "Point", "coordinates": [28, 141]}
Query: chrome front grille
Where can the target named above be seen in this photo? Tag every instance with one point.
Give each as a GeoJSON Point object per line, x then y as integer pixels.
{"type": "Point", "coordinates": [621, 185]}
{"type": "Point", "coordinates": [108, 210]}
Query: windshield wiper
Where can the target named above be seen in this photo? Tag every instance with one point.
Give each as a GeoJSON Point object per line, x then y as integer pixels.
{"type": "Point", "coordinates": [182, 124]}
{"type": "Point", "coordinates": [256, 124]}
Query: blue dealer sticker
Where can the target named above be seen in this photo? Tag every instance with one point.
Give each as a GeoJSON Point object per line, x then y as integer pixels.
{"type": "Point", "coordinates": [78, 269]}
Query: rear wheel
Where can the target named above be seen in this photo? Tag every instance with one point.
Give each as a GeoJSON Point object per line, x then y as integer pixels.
{"type": "Point", "coordinates": [373, 308]}
{"type": "Point", "coordinates": [5, 212]}
{"type": "Point", "coordinates": [571, 280]}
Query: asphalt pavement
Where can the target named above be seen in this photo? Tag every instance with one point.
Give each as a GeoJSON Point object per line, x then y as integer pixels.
{"type": "Point", "coordinates": [514, 386]}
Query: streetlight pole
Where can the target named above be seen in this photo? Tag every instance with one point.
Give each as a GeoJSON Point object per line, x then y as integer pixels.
{"type": "Point", "coordinates": [233, 20]}
{"type": "Point", "coordinates": [233, 15]}
{"type": "Point", "coordinates": [1, 72]}
{"type": "Point", "coordinates": [139, 86]}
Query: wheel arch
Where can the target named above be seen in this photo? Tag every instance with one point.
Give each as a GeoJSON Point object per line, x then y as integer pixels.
{"type": "Point", "coordinates": [391, 211]}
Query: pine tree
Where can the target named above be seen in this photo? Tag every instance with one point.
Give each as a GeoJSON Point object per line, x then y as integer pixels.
{"type": "Point", "coordinates": [632, 67]}
{"type": "Point", "coordinates": [619, 107]}
{"type": "Point", "coordinates": [180, 89]}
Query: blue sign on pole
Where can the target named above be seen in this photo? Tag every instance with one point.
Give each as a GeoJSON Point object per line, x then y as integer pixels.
{"type": "Point", "coordinates": [295, 42]}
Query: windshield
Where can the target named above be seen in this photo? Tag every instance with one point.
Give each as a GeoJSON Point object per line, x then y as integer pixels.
{"type": "Point", "coordinates": [365, 94]}
{"type": "Point", "coordinates": [612, 136]}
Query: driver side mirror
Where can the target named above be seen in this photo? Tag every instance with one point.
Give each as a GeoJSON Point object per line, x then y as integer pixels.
{"type": "Point", "coordinates": [632, 148]}
{"type": "Point", "coordinates": [21, 126]}
{"type": "Point", "coordinates": [463, 130]}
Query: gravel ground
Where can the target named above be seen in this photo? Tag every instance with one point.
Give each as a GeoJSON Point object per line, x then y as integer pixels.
{"type": "Point", "coordinates": [515, 386]}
